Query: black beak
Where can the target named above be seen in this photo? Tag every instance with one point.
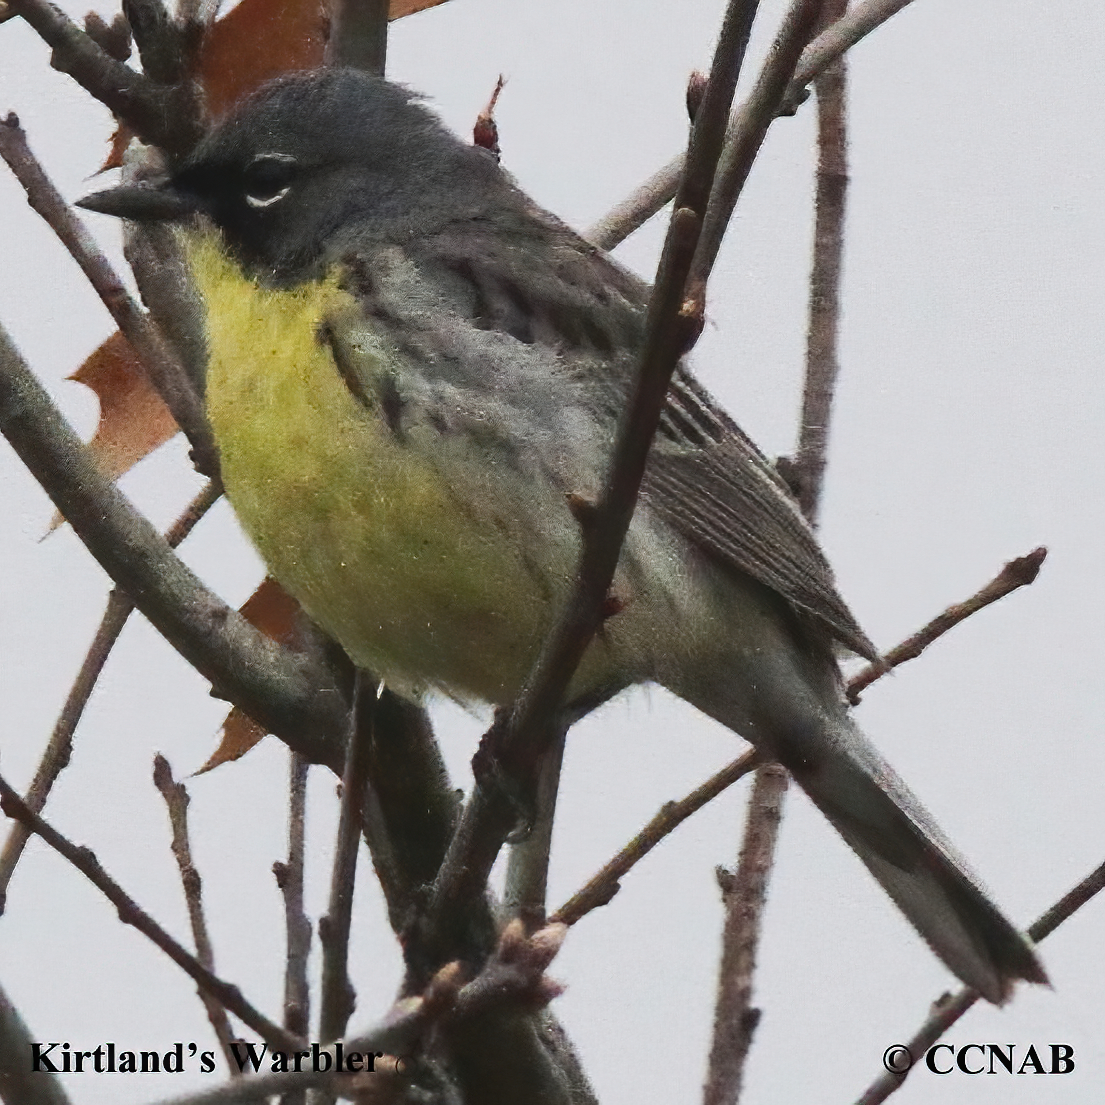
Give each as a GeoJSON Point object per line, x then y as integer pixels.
{"type": "Point", "coordinates": [143, 203]}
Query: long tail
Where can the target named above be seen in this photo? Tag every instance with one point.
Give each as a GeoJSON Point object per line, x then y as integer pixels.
{"type": "Point", "coordinates": [889, 829]}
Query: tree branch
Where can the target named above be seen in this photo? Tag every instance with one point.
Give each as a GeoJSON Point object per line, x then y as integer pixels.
{"type": "Point", "coordinates": [602, 887]}
{"type": "Point", "coordinates": [1016, 573]}
{"type": "Point", "coordinates": [161, 115]}
{"type": "Point", "coordinates": [289, 694]}
{"type": "Point", "coordinates": [338, 999]}
{"type": "Point", "coordinates": [85, 861]}
{"type": "Point", "coordinates": [60, 747]}
{"type": "Point", "coordinates": [176, 801]}
{"type": "Point", "coordinates": [745, 894]}
{"type": "Point", "coordinates": [165, 372]}
{"type": "Point", "coordinates": [947, 1009]}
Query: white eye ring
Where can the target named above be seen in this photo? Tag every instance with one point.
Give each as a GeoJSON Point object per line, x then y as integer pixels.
{"type": "Point", "coordinates": [268, 201]}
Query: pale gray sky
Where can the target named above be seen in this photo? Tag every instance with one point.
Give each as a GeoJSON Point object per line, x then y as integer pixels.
{"type": "Point", "coordinates": [967, 431]}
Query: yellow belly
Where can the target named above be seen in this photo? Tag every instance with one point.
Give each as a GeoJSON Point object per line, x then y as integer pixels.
{"type": "Point", "coordinates": [359, 527]}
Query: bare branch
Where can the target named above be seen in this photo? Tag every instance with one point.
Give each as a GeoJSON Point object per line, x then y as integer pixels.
{"type": "Point", "coordinates": [745, 894]}
{"type": "Point", "coordinates": [523, 733]}
{"type": "Point", "coordinates": [604, 885]}
{"type": "Point", "coordinates": [947, 1009]}
{"type": "Point", "coordinates": [338, 999]}
{"type": "Point", "coordinates": [176, 801]}
{"type": "Point", "coordinates": [822, 362]}
{"type": "Point", "coordinates": [289, 694]}
{"type": "Point", "coordinates": [1016, 573]}
{"type": "Point", "coordinates": [358, 35]}
{"type": "Point", "coordinates": [60, 747]}
{"type": "Point", "coordinates": [166, 373]}
{"type": "Point", "coordinates": [161, 115]}
{"type": "Point", "coordinates": [19, 1085]}
{"type": "Point", "coordinates": [289, 878]}
{"type": "Point", "coordinates": [85, 861]}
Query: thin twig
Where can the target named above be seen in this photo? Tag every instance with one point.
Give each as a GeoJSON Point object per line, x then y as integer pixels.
{"type": "Point", "coordinates": [358, 35]}
{"type": "Point", "coordinates": [60, 747]}
{"type": "Point", "coordinates": [85, 861]}
{"type": "Point", "coordinates": [523, 732]}
{"type": "Point", "coordinates": [289, 694]}
{"type": "Point", "coordinates": [745, 894]}
{"type": "Point", "coordinates": [166, 373]}
{"type": "Point", "coordinates": [650, 197]}
{"type": "Point", "coordinates": [1016, 573]}
{"type": "Point", "coordinates": [176, 801]}
{"type": "Point", "coordinates": [822, 362]}
{"type": "Point", "coordinates": [947, 1009]}
{"type": "Point", "coordinates": [606, 883]}
{"type": "Point", "coordinates": [338, 999]}
{"type": "Point", "coordinates": [161, 115]}
{"type": "Point", "coordinates": [289, 878]}
{"type": "Point", "coordinates": [19, 1084]}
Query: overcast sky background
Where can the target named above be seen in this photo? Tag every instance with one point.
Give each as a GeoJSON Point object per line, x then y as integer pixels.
{"type": "Point", "coordinates": [967, 431]}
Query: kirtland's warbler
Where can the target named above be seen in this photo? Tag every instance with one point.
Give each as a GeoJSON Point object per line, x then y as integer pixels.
{"type": "Point", "coordinates": [413, 368]}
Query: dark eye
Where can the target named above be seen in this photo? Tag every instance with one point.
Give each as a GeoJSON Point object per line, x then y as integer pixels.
{"type": "Point", "coordinates": [268, 177]}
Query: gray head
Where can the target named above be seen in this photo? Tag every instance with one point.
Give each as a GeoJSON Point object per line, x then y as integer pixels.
{"type": "Point", "coordinates": [315, 158]}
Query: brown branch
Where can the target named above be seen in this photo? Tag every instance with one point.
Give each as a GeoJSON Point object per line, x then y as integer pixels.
{"type": "Point", "coordinates": [176, 801]}
{"type": "Point", "coordinates": [602, 887]}
{"type": "Point", "coordinates": [338, 999]}
{"type": "Point", "coordinates": [60, 747]}
{"type": "Point", "coordinates": [822, 362]}
{"type": "Point", "coordinates": [1016, 573]}
{"type": "Point", "coordinates": [358, 35]}
{"type": "Point", "coordinates": [85, 861]}
{"type": "Point", "coordinates": [947, 1009]}
{"type": "Point", "coordinates": [289, 694]}
{"type": "Point", "coordinates": [745, 894]}
{"type": "Point", "coordinates": [289, 878]}
{"type": "Point", "coordinates": [161, 115]}
{"type": "Point", "coordinates": [165, 372]}
{"type": "Point", "coordinates": [19, 1084]}
{"type": "Point", "coordinates": [650, 197]}
{"type": "Point", "coordinates": [524, 731]}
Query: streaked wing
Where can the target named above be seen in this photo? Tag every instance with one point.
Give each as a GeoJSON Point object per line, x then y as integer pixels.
{"type": "Point", "coordinates": [528, 275]}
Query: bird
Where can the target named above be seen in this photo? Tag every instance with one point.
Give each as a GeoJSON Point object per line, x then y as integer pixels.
{"type": "Point", "coordinates": [415, 376]}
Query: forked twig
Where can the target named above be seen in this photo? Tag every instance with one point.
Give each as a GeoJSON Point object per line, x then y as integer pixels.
{"type": "Point", "coordinates": [947, 1009]}
{"type": "Point", "coordinates": [358, 34]}
{"type": "Point", "coordinates": [85, 861]}
{"type": "Point", "coordinates": [1016, 573]}
{"type": "Point", "coordinates": [176, 801]}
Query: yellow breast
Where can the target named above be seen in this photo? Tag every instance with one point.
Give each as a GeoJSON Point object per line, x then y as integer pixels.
{"type": "Point", "coordinates": [359, 527]}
